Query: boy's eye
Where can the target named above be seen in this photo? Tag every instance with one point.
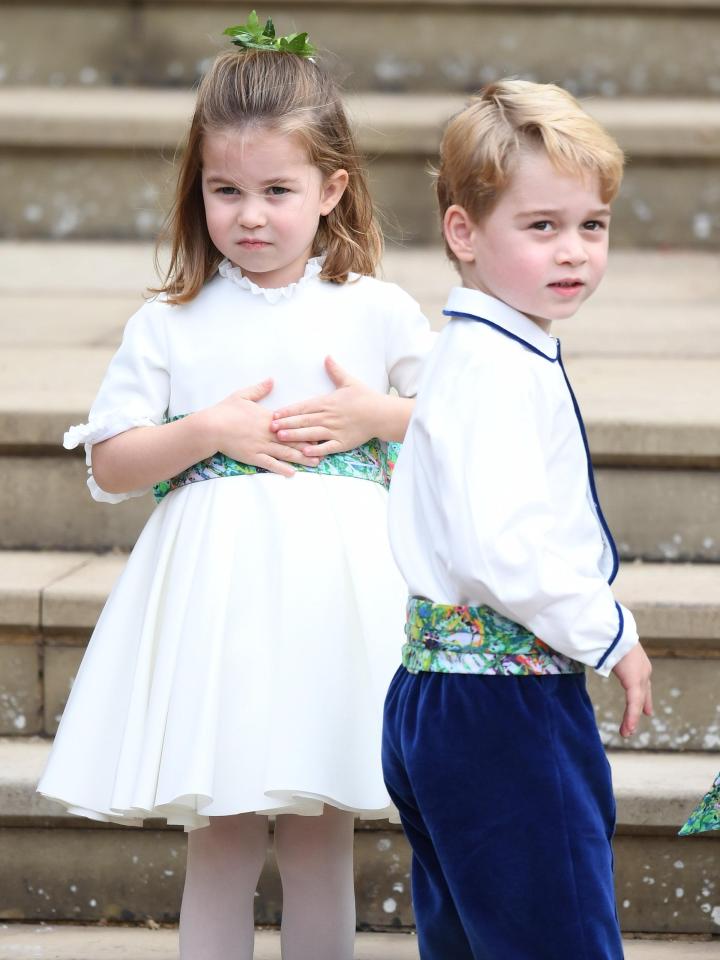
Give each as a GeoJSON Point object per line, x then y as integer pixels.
{"type": "Point", "coordinates": [543, 226]}
{"type": "Point", "coordinates": [277, 191]}
{"type": "Point", "coordinates": [594, 225]}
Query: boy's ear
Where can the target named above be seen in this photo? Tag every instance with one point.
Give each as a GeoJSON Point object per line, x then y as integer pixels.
{"type": "Point", "coordinates": [333, 189]}
{"type": "Point", "coordinates": [458, 230]}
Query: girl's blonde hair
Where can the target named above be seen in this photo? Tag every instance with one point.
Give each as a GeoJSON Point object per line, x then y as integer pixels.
{"type": "Point", "coordinates": [481, 144]}
{"type": "Point", "coordinates": [285, 93]}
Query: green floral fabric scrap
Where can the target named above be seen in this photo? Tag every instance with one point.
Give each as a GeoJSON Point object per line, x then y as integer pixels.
{"type": "Point", "coordinates": [476, 640]}
{"type": "Point", "coordinates": [373, 461]}
{"type": "Point", "coordinates": [706, 815]}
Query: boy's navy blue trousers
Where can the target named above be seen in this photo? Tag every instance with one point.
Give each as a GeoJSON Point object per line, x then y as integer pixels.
{"type": "Point", "coordinates": [505, 795]}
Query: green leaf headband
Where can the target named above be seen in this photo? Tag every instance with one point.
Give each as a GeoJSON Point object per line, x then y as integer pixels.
{"type": "Point", "coordinates": [251, 36]}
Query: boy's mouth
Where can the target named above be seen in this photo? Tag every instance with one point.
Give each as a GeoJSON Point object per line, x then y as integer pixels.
{"type": "Point", "coordinates": [566, 287]}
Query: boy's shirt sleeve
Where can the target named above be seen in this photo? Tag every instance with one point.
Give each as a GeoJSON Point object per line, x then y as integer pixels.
{"type": "Point", "coordinates": [134, 392]}
{"type": "Point", "coordinates": [497, 521]}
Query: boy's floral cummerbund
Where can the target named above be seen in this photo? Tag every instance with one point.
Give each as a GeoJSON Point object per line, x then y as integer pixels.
{"type": "Point", "coordinates": [373, 460]}
{"type": "Point", "coordinates": [446, 639]}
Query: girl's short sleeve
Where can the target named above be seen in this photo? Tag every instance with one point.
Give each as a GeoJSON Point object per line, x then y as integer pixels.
{"type": "Point", "coordinates": [408, 340]}
{"type": "Point", "coordinates": [135, 391]}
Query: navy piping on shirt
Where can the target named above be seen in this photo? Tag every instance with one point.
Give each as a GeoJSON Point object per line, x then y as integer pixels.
{"type": "Point", "coordinates": [583, 433]}
{"type": "Point", "coordinates": [621, 627]}
{"type": "Point", "coordinates": [591, 474]}
{"type": "Point", "coordinates": [496, 326]}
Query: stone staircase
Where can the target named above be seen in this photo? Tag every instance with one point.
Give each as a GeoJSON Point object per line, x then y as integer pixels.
{"type": "Point", "coordinates": [50, 598]}
{"type": "Point", "coordinates": [93, 100]}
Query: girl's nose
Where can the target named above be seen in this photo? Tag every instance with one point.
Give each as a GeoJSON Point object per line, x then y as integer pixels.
{"type": "Point", "coordinates": [251, 213]}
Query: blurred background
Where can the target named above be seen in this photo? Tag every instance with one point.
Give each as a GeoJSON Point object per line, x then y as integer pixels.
{"type": "Point", "coordinates": [95, 97]}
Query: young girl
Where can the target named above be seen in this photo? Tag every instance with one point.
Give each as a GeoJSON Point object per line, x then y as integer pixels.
{"type": "Point", "coordinates": [239, 666]}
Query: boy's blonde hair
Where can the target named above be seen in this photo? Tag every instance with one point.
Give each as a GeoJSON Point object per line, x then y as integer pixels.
{"type": "Point", "coordinates": [481, 144]}
{"type": "Point", "coordinates": [285, 93]}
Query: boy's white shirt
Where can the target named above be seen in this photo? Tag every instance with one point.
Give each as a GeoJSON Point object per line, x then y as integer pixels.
{"type": "Point", "coordinates": [492, 498]}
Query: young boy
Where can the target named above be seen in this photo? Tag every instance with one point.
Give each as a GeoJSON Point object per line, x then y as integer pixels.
{"type": "Point", "coordinates": [490, 750]}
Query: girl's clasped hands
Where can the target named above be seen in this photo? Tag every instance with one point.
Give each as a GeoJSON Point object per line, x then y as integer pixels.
{"type": "Point", "coordinates": [343, 419]}
{"type": "Point", "coordinates": [305, 432]}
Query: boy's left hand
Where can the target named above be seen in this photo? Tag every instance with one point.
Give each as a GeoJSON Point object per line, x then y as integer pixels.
{"type": "Point", "coordinates": [633, 672]}
{"type": "Point", "coordinates": [334, 422]}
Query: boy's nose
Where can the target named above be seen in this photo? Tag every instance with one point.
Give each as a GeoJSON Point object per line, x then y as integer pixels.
{"type": "Point", "coordinates": [571, 250]}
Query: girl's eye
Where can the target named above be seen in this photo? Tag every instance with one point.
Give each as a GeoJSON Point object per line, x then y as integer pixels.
{"type": "Point", "coordinates": [228, 191]}
{"type": "Point", "coordinates": [277, 191]}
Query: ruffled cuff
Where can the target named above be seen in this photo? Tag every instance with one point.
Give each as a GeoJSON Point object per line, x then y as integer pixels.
{"type": "Point", "coordinates": [95, 431]}
{"type": "Point", "coordinates": [104, 426]}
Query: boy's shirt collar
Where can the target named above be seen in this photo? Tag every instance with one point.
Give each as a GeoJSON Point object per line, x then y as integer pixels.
{"type": "Point", "coordinates": [475, 305]}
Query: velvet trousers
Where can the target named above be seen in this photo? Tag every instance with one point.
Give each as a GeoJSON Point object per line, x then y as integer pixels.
{"type": "Point", "coordinates": [506, 798]}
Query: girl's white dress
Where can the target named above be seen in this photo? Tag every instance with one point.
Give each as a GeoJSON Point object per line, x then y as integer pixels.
{"type": "Point", "coordinates": [241, 661]}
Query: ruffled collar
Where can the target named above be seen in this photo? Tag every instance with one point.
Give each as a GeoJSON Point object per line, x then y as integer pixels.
{"type": "Point", "coordinates": [272, 294]}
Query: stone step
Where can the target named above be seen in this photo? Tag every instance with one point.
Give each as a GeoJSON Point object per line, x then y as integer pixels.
{"type": "Point", "coordinates": [644, 411]}
{"type": "Point", "coordinates": [79, 294]}
{"type": "Point", "coordinates": [46, 942]}
{"type": "Point", "coordinates": [96, 943]}
{"type": "Point", "coordinates": [68, 868]}
{"type": "Point", "coordinates": [50, 602]}
{"type": "Point", "coordinates": [606, 47]}
{"type": "Point", "coordinates": [658, 480]}
{"type": "Point", "coordinates": [127, 137]}
{"type": "Point", "coordinates": [677, 608]}
{"type": "Point", "coordinates": [642, 354]}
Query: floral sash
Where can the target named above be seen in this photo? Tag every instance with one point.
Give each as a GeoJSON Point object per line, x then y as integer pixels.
{"type": "Point", "coordinates": [373, 460]}
{"type": "Point", "coordinates": [448, 639]}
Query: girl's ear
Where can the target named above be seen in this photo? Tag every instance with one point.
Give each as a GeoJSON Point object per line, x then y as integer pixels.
{"type": "Point", "coordinates": [459, 230]}
{"type": "Point", "coordinates": [333, 189]}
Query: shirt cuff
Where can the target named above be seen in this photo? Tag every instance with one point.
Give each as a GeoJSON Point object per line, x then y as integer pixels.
{"type": "Point", "coordinates": [622, 644]}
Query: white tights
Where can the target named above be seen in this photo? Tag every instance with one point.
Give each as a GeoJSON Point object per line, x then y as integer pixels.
{"type": "Point", "coordinates": [315, 859]}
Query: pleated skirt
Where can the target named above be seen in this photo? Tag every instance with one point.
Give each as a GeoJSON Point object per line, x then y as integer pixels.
{"type": "Point", "coordinates": [241, 661]}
